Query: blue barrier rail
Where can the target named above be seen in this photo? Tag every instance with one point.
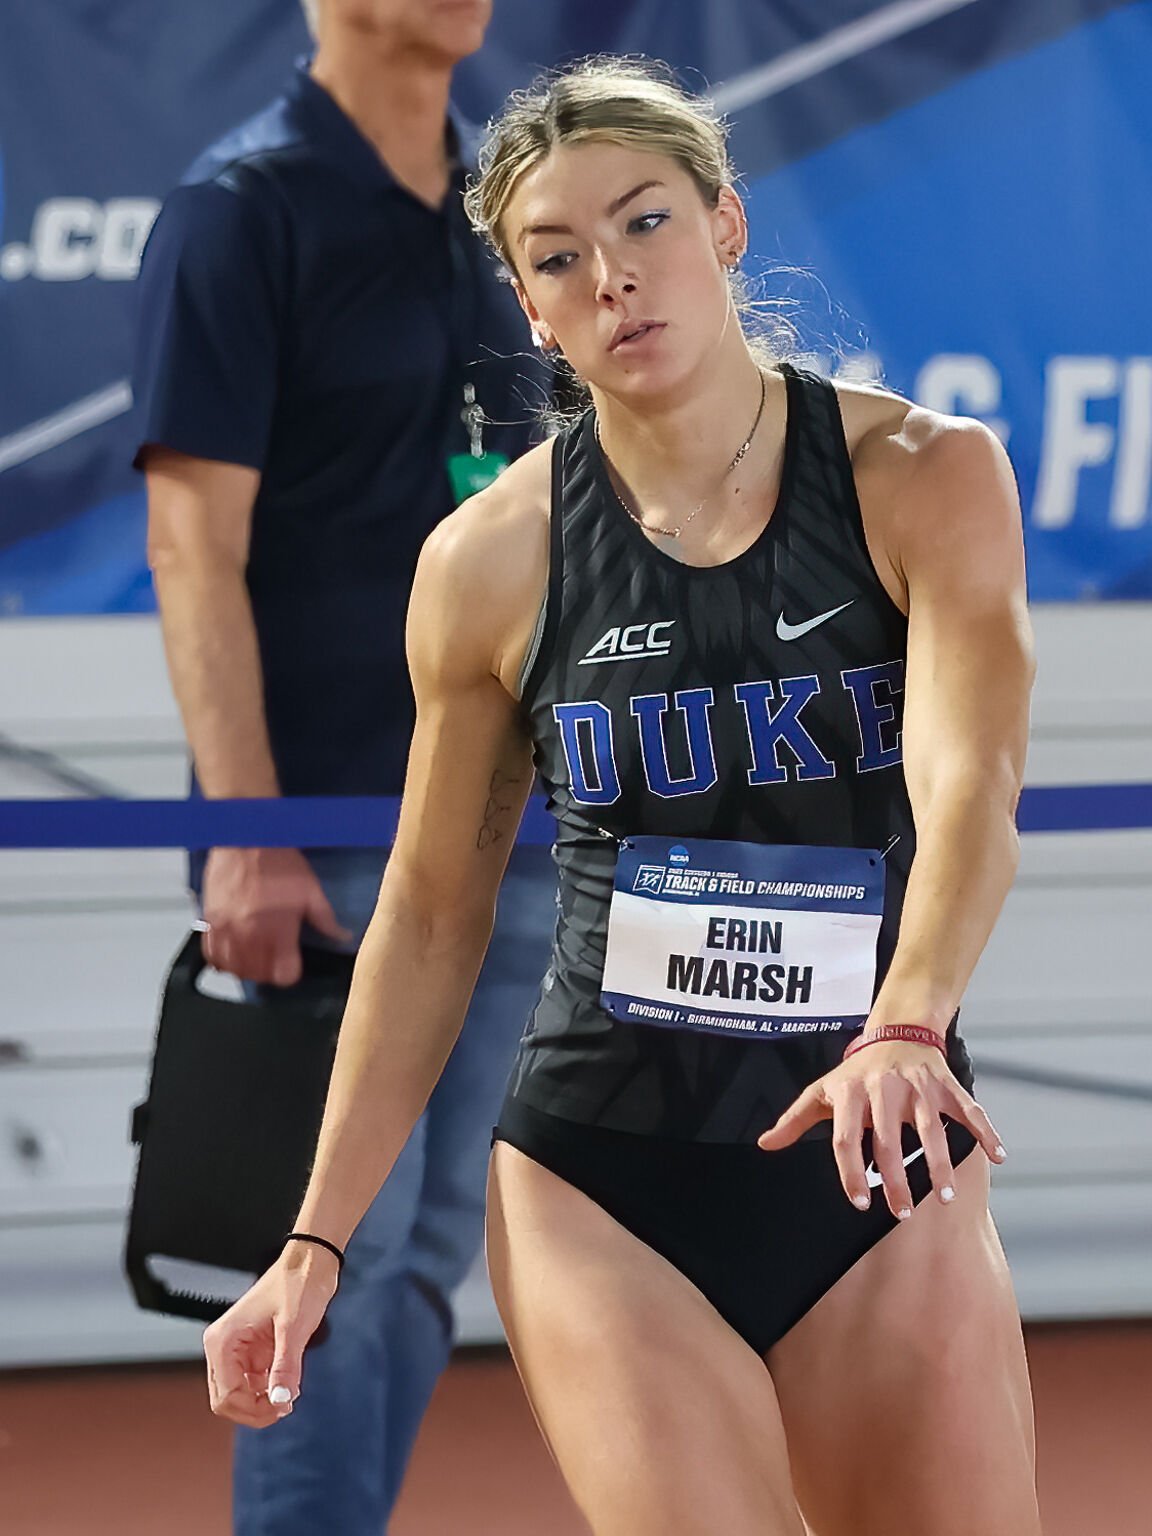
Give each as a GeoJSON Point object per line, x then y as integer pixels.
{"type": "Point", "coordinates": [370, 822]}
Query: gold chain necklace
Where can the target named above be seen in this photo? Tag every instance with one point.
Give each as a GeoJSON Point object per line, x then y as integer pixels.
{"type": "Point", "coordinates": [674, 533]}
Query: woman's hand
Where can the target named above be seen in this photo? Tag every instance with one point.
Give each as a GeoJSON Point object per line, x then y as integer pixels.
{"type": "Point", "coordinates": [887, 1086]}
{"type": "Point", "coordinates": [255, 1350]}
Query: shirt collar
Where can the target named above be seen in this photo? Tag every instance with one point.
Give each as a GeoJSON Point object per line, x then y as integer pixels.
{"type": "Point", "coordinates": [337, 135]}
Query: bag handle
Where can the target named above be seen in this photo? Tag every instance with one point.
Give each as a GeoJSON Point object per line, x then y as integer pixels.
{"type": "Point", "coordinates": [189, 963]}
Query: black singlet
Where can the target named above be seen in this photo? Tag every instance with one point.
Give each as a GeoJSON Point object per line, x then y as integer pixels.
{"type": "Point", "coordinates": [623, 621]}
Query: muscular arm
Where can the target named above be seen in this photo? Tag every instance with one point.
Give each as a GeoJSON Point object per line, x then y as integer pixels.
{"type": "Point", "coordinates": [477, 591]}
{"type": "Point", "coordinates": [469, 774]}
{"type": "Point", "coordinates": [950, 529]}
{"type": "Point", "coordinates": [956, 542]}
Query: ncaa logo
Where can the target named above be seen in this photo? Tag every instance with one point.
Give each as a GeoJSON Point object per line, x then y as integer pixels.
{"type": "Point", "coordinates": [678, 855]}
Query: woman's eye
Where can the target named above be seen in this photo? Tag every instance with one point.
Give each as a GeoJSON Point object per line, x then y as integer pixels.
{"type": "Point", "coordinates": [647, 222]}
{"type": "Point", "coordinates": [555, 263]}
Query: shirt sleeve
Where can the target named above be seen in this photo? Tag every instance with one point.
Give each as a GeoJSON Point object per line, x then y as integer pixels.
{"type": "Point", "coordinates": [210, 301]}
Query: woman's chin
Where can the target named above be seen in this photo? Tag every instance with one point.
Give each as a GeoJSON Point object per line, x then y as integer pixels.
{"type": "Point", "coordinates": [638, 378]}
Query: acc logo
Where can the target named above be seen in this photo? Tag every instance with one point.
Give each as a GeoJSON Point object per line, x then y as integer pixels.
{"type": "Point", "coordinates": [74, 237]}
{"type": "Point", "coordinates": [629, 643]}
{"type": "Point", "coordinates": [650, 877]}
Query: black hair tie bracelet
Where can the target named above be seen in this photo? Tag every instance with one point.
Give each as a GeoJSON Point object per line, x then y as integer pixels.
{"type": "Point", "coordinates": [321, 1242]}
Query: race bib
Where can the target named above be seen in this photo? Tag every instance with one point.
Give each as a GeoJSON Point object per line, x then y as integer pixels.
{"type": "Point", "coordinates": [742, 939]}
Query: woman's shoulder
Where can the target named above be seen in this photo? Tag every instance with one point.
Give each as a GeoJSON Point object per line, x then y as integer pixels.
{"type": "Point", "coordinates": [484, 570]}
{"type": "Point", "coordinates": [894, 443]}
{"type": "Point", "coordinates": [502, 525]}
{"type": "Point", "coordinates": [923, 479]}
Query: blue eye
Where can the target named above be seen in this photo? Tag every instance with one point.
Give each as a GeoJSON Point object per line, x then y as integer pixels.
{"type": "Point", "coordinates": [642, 224]}
{"type": "Point", "coordinates": [555, 263]}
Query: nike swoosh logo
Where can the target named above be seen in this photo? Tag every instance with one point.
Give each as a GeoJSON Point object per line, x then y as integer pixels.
{"type": "Point", "coordinates": [786, 631]}
{"type": "Point", "coordinates": [876, 1178]}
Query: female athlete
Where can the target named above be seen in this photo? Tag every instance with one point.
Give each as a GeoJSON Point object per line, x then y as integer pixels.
{"type": "Point", "coordinates": [765, 640]}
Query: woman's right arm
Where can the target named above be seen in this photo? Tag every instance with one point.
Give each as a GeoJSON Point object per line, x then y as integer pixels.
{"type": "Point", "coordinates": [469, 774]}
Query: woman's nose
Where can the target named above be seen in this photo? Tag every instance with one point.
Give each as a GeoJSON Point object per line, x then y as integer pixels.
{"type": "Point", "coordinates": [612, 281]}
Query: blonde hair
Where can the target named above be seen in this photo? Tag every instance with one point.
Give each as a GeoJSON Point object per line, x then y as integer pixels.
{"type": "Point", "coordinates": [626, 101]}
{"type": "Point", "coordinates": [633, 102]}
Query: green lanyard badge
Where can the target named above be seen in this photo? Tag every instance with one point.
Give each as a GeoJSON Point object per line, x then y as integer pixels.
{"type": "Point", "coordinates": [470, 472]}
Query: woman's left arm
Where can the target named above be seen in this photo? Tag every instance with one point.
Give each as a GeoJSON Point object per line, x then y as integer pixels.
{"type": "Point", "coordinates": [956, 536]}
{"type": "Point", "coordinates": [953, 535]}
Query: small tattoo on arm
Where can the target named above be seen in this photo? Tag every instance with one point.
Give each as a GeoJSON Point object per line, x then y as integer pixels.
{"type": "Point", "coordinates": [494, 827]}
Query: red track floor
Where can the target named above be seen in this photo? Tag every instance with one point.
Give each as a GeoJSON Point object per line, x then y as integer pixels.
{"type": "Point", "coordinates": [134, 1451]}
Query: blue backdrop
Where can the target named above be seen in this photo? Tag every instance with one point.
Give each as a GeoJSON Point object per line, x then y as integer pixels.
{"type": "Point", "coordinates": [964, 185]}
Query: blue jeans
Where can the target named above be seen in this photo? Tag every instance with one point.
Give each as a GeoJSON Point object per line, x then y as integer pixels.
{"type": "Point", "coordinates": [334, 1466]}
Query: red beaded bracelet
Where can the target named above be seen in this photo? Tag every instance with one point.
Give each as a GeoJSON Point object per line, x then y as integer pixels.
{"type": "Point", "coordinates": [915, 1034]}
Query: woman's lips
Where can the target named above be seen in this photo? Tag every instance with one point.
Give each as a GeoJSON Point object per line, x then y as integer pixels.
{"type": "Point", "coordinates": [635, 335]}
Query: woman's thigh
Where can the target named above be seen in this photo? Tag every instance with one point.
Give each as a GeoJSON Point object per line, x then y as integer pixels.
{"type": "Point", "coordinates": [905, 1390]}
{"type": "Point", "coordinates": [661, 1419]}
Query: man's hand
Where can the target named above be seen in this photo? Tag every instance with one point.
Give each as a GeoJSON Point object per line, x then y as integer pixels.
{"type": "Point", "coordinates": [255, 900]}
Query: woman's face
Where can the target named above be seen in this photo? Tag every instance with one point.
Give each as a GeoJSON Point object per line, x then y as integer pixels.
{"type": "Point", "coordinates": [620, 263]}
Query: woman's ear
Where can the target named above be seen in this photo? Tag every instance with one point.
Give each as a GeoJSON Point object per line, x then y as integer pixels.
{"type": "Point", "coordinates": [729, 227]}
{"type": "Point", "coordinates": [541, 336]}
{"type": "Point", "coordinates": [525, 302]}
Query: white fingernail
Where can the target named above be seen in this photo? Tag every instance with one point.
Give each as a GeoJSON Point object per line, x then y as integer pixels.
{"type": "Point", "coordinates": [903, 1213]}
{"type": "Point", "coordinates": [1000, 1152]}
{"type": "Point", "coordinates": [861, 1202]}
{"type": "Point", "coordinates": [947, 1193]}
{"type": "Point", "coordinates": [280, 1395]}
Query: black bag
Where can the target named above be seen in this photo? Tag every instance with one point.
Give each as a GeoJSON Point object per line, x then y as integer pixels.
{"type": "Point", "coordinates": [228, 1131]}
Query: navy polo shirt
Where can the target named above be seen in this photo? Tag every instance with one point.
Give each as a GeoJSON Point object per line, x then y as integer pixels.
{"type": "Point", "coordinates": [303, 314]}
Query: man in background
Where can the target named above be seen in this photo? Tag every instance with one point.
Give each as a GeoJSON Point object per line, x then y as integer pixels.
{"type": "Point", "coordinates": [325, 365]}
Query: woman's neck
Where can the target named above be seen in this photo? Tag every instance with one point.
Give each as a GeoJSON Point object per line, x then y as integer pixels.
{"type": "Point", "coordinates": [672, 454]}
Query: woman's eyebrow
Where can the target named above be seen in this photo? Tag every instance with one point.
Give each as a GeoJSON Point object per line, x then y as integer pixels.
{"type": "Point", "coordinates": [613, 207]}
{"type": "Point", "coordinates": [620, 202]}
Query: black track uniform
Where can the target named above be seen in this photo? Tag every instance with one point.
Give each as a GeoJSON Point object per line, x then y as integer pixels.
{"type": "Point", "coordinates": [758, 702]}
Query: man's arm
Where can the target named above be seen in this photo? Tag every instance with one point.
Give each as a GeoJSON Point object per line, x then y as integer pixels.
{"type": "Point", "coordinates": [213, 296]}
{"type": "Point", "coordinates": [199, 525]}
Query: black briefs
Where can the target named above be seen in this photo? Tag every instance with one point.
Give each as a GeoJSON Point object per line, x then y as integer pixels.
{"type": "Point", "coordinates": [762, 1235]}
